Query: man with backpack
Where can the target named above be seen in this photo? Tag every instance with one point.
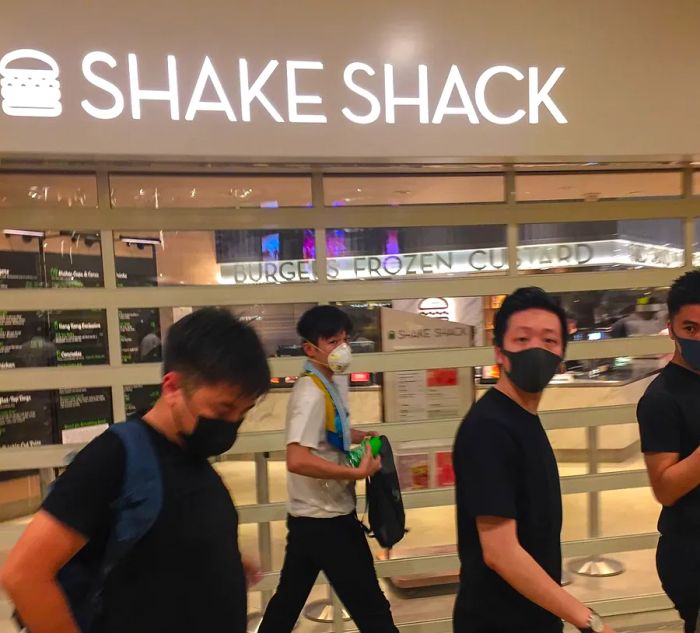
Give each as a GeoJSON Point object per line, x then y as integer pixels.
{"type": "Point", "coordinates": [139, 535]}
{"type": "Point", "coordinates": [324, 532]}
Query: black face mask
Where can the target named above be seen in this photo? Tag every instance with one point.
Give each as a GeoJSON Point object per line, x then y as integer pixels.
{"type": "Point", "coordinates": [211, 437]}
{"type": "Point", "coordinates": [532, 369]}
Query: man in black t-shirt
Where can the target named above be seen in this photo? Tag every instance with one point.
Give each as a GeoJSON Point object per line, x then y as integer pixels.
{"type": "Point", "coordinates": [669, 424]}
{"type": "Point", "coordinates": [186, 574]}
{"type": "Point", "coordinates": [508, 498]}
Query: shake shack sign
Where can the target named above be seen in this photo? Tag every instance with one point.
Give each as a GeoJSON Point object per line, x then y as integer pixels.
{"type": "Point", "coordinates": [458, 262]}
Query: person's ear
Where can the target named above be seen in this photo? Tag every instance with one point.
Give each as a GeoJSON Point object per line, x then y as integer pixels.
{"type": "Point", "coordinates": [500, 356]}
{"type": "Point", "coordinates": [308, 349]}
{"type": "Point", "coordinates": [171, 386]}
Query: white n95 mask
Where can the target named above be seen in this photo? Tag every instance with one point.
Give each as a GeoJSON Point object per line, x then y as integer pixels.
{"type": "Point", "coordinates": [340, 358]}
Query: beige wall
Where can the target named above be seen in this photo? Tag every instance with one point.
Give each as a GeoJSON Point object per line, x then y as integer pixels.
{"type": "Point", "coordinates": [629, 87]}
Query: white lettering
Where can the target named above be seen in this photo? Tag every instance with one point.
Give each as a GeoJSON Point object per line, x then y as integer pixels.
{"type": "Point", "coordinates": [454, 80]}
{"type": "Point", "coordinates": [294, 100]}
{"type": "Point", "coordinates": [102, 113]}
{"type": "Point", "coordinates": [480, 95]}
{"type": "Point", "coordinates": [138, 94]}
{"type": "Point", "coordinates": [375, 108]}
{"type": "Point", "coordinates": [538, 97]}
{"type": "Point", "coordinates": [391, 100]}
{"type": "Point", "coordinates": [250, 93]}
{"type": "Point", "coordinates": [208, 73]}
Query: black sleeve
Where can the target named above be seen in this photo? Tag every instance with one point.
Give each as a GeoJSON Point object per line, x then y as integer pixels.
{"type": "Point", "coordinates": [82, 495]}
{"type": "Point", "coordinates": [488, 471]}
{"type": "Point", "coordinates": [659, 424]}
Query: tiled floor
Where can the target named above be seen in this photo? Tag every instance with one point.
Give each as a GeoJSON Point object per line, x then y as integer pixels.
{"type": "Point", "coordinates": [623, 512]}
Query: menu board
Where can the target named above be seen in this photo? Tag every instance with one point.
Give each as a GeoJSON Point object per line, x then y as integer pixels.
{"type": "Point", "coordinates": [74, 271]}
{"type": "Point", "coordinates": [24, 340]}
{"type": "Point", "coordinates": [26, 419]}
{"type": "Point", "coordinates": [80, 337]}
{"type": "Point", "coordinates": [82, 414]}
{"type": "Point", "coordinates": [20, 269]}
{"type": "Point", "coordinates": [140, 398]}
{"type": "Point", "coordinates": [139, 332]}
{"type": "Point", "coordinates": [136, 271]}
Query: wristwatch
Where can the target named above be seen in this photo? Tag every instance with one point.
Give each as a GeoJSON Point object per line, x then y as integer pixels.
{"type": "Point", "coordinates": [594, 624]}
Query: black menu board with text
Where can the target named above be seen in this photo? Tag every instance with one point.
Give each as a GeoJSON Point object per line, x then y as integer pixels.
{"type": "Point", "coordinates": [80, 337]}
{"type": "Point", "coordinates": [26, 419]}
{"type": "Point", "coordinates": [82, 414]}
{"type": "Point", "coordinates": [20, 269]}
{"type": "Point", "coordinates": [140, 398]}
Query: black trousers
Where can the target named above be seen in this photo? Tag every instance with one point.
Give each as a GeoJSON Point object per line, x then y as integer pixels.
{"type": "Point", "coordinates": [339, 548]}
{"type": "Point", "coordinates": [464, 622]}
{"type": "Point", "coordinates": [678, 564]}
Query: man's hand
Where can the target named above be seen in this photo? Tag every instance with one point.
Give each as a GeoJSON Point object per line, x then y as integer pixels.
{"type": "Point", "coordinates": [369, 465]}
{"type": "Point", "coordinates": [253, 574]}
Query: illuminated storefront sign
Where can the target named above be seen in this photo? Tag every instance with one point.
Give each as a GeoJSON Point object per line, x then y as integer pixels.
{"type": "Point", "coordinates": [607, 253]}
{"type": "Point", "coordinates": [31, 92]}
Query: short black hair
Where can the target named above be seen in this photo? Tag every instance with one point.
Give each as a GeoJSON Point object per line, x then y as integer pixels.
{"type": "Point", "coordinates": [527, 299]}
{"type": "Point", "coordinates": [684, 291]}
{"type": "Point", "coordinates": [211, 346]}
{"type": "Point", "coordinates": [323, 322]}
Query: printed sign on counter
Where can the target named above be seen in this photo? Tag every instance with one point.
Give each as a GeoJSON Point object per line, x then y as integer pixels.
{"type": "Point", "coordinates": [414, 471]}
{"type": "Point", "coordinates": [432, 394]}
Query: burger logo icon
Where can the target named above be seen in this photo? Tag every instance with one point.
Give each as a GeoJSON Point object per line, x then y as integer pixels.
{"type": "Point", "coordinates": [29, 84]}
{"type": "Point", "coordinates": [435, 308]}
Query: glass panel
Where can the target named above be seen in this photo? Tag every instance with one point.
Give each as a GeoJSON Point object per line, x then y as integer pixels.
{"type": "Point", "coordinates": [341, 191]}
{"type": "Point", "coordinates": [696, 244]}
{"type": "Point", "coordinates": [140, 335]}
{"type": "Point", "coordinates": [31, 190]}
{"type": "Point", "coordinates": [438, 251]}
{"type": "Point", "coordinates": [53, 338]}
{"type": "Point", "coordinates": [696, 183]}
{"type": "Point", "coordinates": [50, 259]}
{"type": "Point", "coordinates": [476, 312]}
{"type": "Point", "coordinates": [602, 245]}
{"type": "Point", "coordinates": [597, 186]}
{"type": "Point", "coordinates": [182, 191]}
{"type": "Point", "coordinates": [143, 329]}
{"type": "Point", "coordinates": [197, 258]}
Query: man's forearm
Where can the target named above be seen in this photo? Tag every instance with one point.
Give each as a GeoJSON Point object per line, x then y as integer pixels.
{"type": "Point", "coordinates": [525, 575]}
{"type": "Point", "coordinates": [678, 480]}
{"type": "Point", "coordinates": [42, 606]}
{"type": "Point", "coordinates": [311, 465]}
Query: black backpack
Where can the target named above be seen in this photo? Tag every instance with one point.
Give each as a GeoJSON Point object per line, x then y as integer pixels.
{"type": "Point", "coordinates": [387, 518]}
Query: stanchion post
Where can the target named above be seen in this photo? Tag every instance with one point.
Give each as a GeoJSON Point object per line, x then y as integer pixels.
{"type": "Point", "coordinates": [595, 566]}
{"type": "Point", "coordinates": [46, 477]}
{"type": "Point", "coordinates": [262, 495]}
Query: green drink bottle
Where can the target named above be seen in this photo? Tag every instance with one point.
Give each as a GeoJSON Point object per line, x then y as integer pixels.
{"type": "Point", "coordinates": [356, 454]}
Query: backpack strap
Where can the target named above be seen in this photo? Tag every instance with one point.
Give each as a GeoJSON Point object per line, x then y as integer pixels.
{"type": "Point", "coordinates": [141, 498]}
{"type": "Point", "coordinates": [135, 510]}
